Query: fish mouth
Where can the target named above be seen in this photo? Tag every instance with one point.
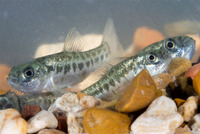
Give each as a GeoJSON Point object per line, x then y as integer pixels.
{"type": "Point", "coordinates": [189, 44]}
{"type": "Point", "coordinates": [12, 81]}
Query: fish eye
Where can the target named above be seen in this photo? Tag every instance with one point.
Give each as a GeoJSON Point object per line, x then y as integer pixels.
{"type": "Point", "coordinates": [29, 72]}
{"type": "Point", "coordinates": [151, 58]}
{"type": "Point", "coordinates": [170, 45]}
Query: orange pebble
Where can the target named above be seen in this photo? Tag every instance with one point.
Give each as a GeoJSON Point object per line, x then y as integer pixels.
{"type": "Point", "coordinates": [139, 94]}
{"type": "Point", "coordinates": [4, 85]}
{"type": "Point", "coordinates": [100, 121]}
{"type": "Point", "coordinates": [145, 36]}
{"type": "Point", "coordinates": [196, 83]}
{"type": "Point", "coordinates": [192, 71]}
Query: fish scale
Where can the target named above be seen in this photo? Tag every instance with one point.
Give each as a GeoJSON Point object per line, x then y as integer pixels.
{"type": "Point", "coordinates": [112, 84]}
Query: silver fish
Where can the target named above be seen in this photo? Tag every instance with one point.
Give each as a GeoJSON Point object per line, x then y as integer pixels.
{"type": "Point", "coordinates": [155, 58]}
{"type": "Point", "coordinates": [66, 68]}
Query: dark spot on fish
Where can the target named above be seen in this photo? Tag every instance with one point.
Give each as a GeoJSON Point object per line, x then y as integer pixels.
{"type": "Point", "coordinates": [49, 68]}
{"type": "Point", "coordinates": [74, 67]}
{"type": "Point", "coordinates": [100, 89]}
{"type": "Point", "coordinates": [92, 62]}
{"type": "Point", "coordinates": [88, 64]}
{"type": "Point", "coordinates": [106, 86]}
{"type": "Point", "coordinates": [80, 66]}
{"type": "Point", "coordinates": [59, 69]}
{"type": "Point", "coordinates": [67, 68]}
{"type": "Point", "coordinates": [111, 82]}
{"type": "Point", "coordinates": [102, 57]}
{"type": "Point", "coordinates": [96, 60]}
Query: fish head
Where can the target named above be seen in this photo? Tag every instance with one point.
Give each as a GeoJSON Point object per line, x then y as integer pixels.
{"type": "Point", "coordinates": [28, 77]}
{"type": "Point", "coordinates": [181, 46]}
{"type": "Point", "coordinates": [157, 56]}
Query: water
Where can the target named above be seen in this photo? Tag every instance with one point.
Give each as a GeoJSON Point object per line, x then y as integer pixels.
{"type": "Point", "coordinates": [25, 24]}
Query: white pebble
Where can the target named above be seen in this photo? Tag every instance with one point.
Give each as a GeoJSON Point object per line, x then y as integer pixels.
{"type": "Point", "coordinates": [196, 124]}
{"type": "Point", "coordinates": [74, 123]}
{"type": "Point", "coordinates": [189, 108]}
{"type": "Point", "coordinates": [161, 117]}
{"type": "Point", "coordinates": [41, 120]}
{"type": "Point", "coordinates": [12, 123]}
{"type": "Point", "coordinates": [69, 102]}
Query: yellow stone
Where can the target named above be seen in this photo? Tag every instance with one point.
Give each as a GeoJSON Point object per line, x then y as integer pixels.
{"type": "Point", "coordinates": [100, 121]}
{"type": "Point", "coordinates": [179, 65]}
{"type": "Point", "coordinates": [196, 83]}
{"type": "Point", "coordinates": [179, 101]}
{"type": "Point", "coordinates": [139, 94]}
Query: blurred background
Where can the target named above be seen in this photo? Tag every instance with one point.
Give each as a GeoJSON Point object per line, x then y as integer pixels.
{"type": "Point", "coordinates": [26, 24]}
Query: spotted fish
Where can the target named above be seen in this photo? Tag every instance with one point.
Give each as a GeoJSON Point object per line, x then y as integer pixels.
{"type": "Point", "coordinates": [155, 58]}
{"type": "Point", "coordinates": [67, 68]}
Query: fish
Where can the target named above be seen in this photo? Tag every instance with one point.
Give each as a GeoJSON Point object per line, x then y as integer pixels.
{"type": "Point", "coordinates": [67, 68]}
{"type": "Point", "coordinates": [111, 85]}
{"type": "Point", "coordinates": [155, 58]}
{"type": "Point", "coordinates": [13, 99]}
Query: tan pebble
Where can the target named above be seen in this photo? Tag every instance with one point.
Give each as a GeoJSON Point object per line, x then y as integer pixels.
{"type": "Point", "coordinates": [41, 120]}
{"type": "Point", "coordinates": [50, 131]}
{"type": "Point", "coordinates": [197, 47]}
{"type": "Point", "coordinates": [189, 108]}
{"type": "Point", "coordinates": [81, 95]}
{"type": "Point", "coordinates": [139, 94]}
{"type": "Point", "coordinates": [89, 101]}
{"type": "Point", "coordinates": [178, 66]}
{"type": "Point", "coordinates": [145, 36]}
{"type": "Point", "coordinates": [4, 85]}
{"type": "Point", "coordinates": [69, 102]}
{"type": "Point", "coordinates": [100, 121]}
{"type": "Point", "coordinates": [193, 71]}
{"type": "Point", "coordinates": [161, 117]}
{"type": "Point", "coordinates": [195, 124]}
{"type": "Point", "coordinates": [12, 123]}
{"type": "Point", "coordinates": [183, 130]}
{"type": "Point", "coordinates": [162, 80]}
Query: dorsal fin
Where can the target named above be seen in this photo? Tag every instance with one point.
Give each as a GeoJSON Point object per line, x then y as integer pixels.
{"type": "Point", "coordinates": [111, 38]}
{"type": "Point", "coordinates": [74, 41]}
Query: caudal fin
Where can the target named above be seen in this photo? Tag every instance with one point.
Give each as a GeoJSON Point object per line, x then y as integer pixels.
{"type": "Point", "coordinates": [111, 38]}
